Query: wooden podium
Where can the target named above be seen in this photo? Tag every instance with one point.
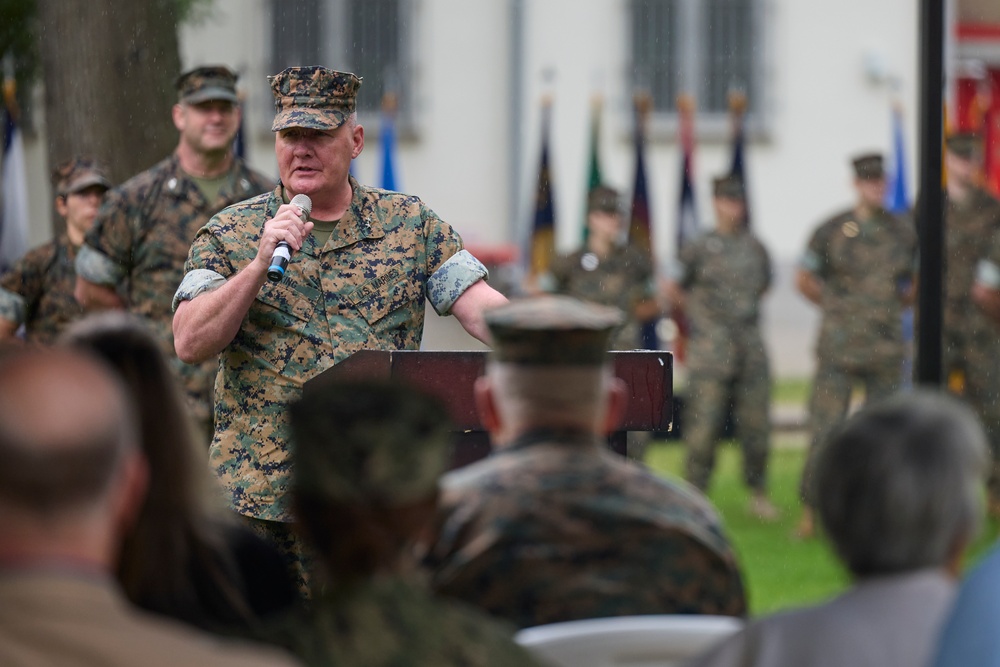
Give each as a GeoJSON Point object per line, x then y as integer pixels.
{"type": "Point", "coordinates": [449, 376]}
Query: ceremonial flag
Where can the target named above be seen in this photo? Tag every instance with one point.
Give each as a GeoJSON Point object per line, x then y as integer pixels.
{"type": "Point", "coordinates": [897, 198]}
{"type": "Point", "coordinates": [543, 240]}
{"type": "Point", "coordinates": [13, 184]}
{"type": "Point", "coordinates": [639, 234]}
{"type": "Point", "coordinates": [687, 211]}
{"type": "Point", "coordinates": [389, 143]}
{"type": "Point", "coordinates": [594, 176]}
{"type": "Point", "coordinates": [737, 109]}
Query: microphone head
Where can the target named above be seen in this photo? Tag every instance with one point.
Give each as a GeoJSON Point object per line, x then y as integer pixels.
{"type": "Point", "coordinates": [304, 203]}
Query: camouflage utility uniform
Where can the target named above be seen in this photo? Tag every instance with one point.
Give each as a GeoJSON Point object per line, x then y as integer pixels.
{"type": "Point", "coordinates": [364, 289]}
{"type": "Point", "coordinates": [392, 622]}
{"type": "Point", "coordinates": [38, 291]}
{"type": "Point", "coordinates": [724, 277]}
{"type": "Point", "coordinates": [622, 279]}
{"type": "Point", "coordinates": [554, 528]}
{"type": "Point", "coordinates": [971, 340]}
{"type": "Point", "coordinates": [864, 267]}
{"type": "Point", "coordinates": [139, 243]}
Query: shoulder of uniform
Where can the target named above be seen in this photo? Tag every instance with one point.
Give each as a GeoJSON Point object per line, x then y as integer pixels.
{"type": "Point", "coordinates": [241, 209]}
{"type": "Point", "coordinates": [141, 183]}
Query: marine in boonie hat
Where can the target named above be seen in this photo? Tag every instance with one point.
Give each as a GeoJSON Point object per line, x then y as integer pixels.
{"type": "Point", "coordinates": [78, 174]}
{"type": "Point", "coordinates": [728, 187]}
{"type": "Point", "coordinates": [202, 84]}
{"type": "Point", "coordinates": [966, 145]}
{"type": "Point", "coordinates": [313, 97]}
{"type": "Point", "coordinates": [603, 198]}
{"type": "Point", "coordinates": [368, 441]}
{"type": "Point", "coordinates": [552, 330]}
{"type": "Point", "coordinates": [868, 167]}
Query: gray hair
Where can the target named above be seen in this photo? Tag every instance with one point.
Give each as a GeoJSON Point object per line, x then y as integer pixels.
{"type": "Point", "coordinates": [899, 484]}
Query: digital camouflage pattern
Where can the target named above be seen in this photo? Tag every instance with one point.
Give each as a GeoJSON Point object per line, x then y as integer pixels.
{"type": "Point", "coordinates": [622, 280]}
{"type": "Point", "coordinates": [139, 243]}
{"type": "Point", "coordinates": [38, 291]}
{"type": "Point", "coordinates": [971, 341]}
{"type": "Point", "coordinates": [207, 83]}
{"type": "Point", "coordinates": [865, 266]}
{"type": "Point", "coordinates": [78, 174]}
{"type": "Point", "coordinates": [393, 443]}
{"type": "Point", "coordinates": [312, 97]}
{"type": "Point", "coordinates": [393, 622]}
{"type": "Point", "coordinates": [364, 289]}
{"type": "Point", "coordinates": [554, 527]}
{"type": "Point", "coordinates": [724, 277]}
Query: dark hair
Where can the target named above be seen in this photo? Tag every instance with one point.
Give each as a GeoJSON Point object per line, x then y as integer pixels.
{"type": "Point", "coordinates": [899, 484]}
{"type": "Point", "coordinates": [175, 527]}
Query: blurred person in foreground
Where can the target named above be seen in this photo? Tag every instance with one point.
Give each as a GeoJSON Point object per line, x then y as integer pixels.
{"type": "Point", "coordinates": [71, 486]}
{"type": "Point", "coordinates": [133, 257]}
{"type": "Point", "coordinates": [37, 292]}
{"type": "Point", "coordinates": [365, 488]}
{"type": "Point", "coordinates": [858, 269]}
{"type": "Point", "coordinates": [899, 495]}
{"type": "Point", "coordinates": [183, 557]}
{"type": "Point", "coordinates": [971, 326]}
{"type": "Point", "coordinates": [719, 282]}
{"type": "Point", "coordinates": [553, 526]}
{"type": "Point", "coordinates": [365, 263]}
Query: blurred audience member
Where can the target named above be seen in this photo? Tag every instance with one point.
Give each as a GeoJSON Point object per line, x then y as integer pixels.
{"type": "Point", "coordinates": [181, 559]}
{"type": "Point", "coordinates": [71, 487]}
{"type": "Point", "coordinates": [899, 488]}
{"type": "Point", "coordinates": [553, 526]}
{"type": "Point", "coordinates": [365, 487]}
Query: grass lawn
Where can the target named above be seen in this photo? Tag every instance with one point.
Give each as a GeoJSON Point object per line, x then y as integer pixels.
{"type": "Point", "coordinates": [780, 572]}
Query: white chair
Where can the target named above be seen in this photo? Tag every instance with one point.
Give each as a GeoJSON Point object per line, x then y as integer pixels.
{"type": "Point", "coordinates": [627, 641]}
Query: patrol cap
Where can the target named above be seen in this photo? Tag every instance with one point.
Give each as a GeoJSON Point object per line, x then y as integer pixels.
{"type": "Point", "coordinates": [603, 198]}
{"type": "Point", "coordinates": [78, 173]}
{"type": "Point", "coordinates": [313, 97]}
{"type": "Point", "coordinates": [728, 187]}
{"type": "Point", "coordinates": [552, 330]}
{"type": "Point", "coordinates": [364, 441]}
{"type": "Point", "coordinates": [868, 167]}
{"type": "Point", "coordinates": [213, 82]}
{"type": "Point", "coordinates": [966, 145]}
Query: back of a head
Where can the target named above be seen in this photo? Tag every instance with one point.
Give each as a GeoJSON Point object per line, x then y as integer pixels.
{"type": "Point", "coordinates": [366, 453]}
{"type": "Point", "coordinates": [65, 428]}
{"type": "Point", "coordinates": [899, 484]}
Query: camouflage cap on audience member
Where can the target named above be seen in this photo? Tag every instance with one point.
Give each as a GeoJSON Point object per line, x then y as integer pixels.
{"type": "Point", "coordinates": [78, 174]}
{"type": "Point", "coordinates": [966, 145]}
{"type": "Point", "coordinates": [728, 187]}
{"type": "Point", "coordinates": [868, 167]}
{"type": "Point", "coordinates": [603, 198]}
{"type": "Point", "coordinates": [313, 97]}
{"type": "Point", "coordinates": [214, 82]}
{"type": "Point", "coordinates": [364, 441]}
{"type": "Point", "coordinates": [552, 330]}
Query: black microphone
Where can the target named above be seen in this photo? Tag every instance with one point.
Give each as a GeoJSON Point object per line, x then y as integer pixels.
{"type": "Point", "coordinates": [283, 252]}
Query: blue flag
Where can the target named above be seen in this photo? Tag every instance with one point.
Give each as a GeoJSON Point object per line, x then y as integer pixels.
{"type": "Point", "coordinates": [542, 248]}
{"type": "Point", "coordinates": [897, 198]}
{"type": "Point", "coordinates": [389, 181]}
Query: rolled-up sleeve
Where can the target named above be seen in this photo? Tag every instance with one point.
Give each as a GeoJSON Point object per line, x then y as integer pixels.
{"type": "Point", "coordinates": [197, 282]}
{"type": "Point", "coordinates": [450, 281]}
{"type": "Point", "coordinates": [96, 267]}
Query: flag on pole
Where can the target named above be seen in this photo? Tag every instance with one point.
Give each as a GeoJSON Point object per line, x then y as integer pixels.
{"type": "Point", "coordinates": [737, 110]}
{"type": "Point", "coordinates": [639, 236]}
{"type": "Point", "coordinates": [389, 143]}
{"type": "Point", "coordinates": [13, 183]}
{"type": "Point", "coordinates": [897, 198]}
{"type": "Point", "coordinates": [542, 241]}
{"type": "Point", "coordinates": [640, 225]}
{"type": "Point", "coordinates": [687, 211]}
{"type": "Point", "coordinates": [594, 175]}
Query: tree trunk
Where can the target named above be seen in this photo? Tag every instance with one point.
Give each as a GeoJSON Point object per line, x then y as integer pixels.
{"type": "Point", "coordinates": [109, 68]}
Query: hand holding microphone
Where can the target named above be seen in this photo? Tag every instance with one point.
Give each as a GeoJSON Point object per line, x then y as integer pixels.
{"type": "Point", "coordinates": [283, 252]}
